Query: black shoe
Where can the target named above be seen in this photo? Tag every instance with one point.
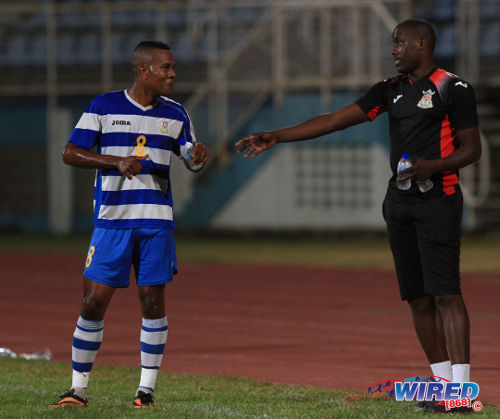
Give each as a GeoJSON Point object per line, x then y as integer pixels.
{"type": "Point", "coordinates": [70, 399]}
{"type": "Point", "coordinates": [143, 399]}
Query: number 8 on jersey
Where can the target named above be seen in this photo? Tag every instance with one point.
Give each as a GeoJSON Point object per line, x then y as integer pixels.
{"type": "Point", "coordinates": [140, 149]}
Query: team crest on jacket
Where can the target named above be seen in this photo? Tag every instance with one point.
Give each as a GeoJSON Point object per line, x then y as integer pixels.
{"type": "Point", "coordinates": [426, 101]}
{"type": "Point", "coordinates": [164, 127]}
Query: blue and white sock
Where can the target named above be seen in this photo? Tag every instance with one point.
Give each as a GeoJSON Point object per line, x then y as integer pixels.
{"type": "Point", "coordinates": [87, 339]}
{"type": "Point", "coordinates": [153, 339]}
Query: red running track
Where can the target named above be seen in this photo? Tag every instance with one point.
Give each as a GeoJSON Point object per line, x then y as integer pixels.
{"type": "Point", "coordinates": [308, 326]}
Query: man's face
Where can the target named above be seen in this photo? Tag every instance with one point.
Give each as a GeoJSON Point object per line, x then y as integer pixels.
{"type": "Point", "coordinates": [161, 72]}
{"type": "Point", "coordinates": [405, 50]}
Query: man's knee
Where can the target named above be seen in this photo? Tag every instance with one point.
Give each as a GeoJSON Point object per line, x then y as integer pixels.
{"type": "Point", "coordinates": [423, 304]}
{"type": "Point", "coordinates": [446, 301]}
{"type": "Point", "coordinates": [153, 302]}
{"type": "Point", "coordinates": [93, 308]}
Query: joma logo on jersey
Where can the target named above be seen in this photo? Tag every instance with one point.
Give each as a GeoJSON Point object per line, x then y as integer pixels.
{"type": "Point", "coordinates": [118, 122]}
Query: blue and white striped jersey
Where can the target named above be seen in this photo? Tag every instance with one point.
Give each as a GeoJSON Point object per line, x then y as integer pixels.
{"type": "Point", "coordinates": [117, 125]}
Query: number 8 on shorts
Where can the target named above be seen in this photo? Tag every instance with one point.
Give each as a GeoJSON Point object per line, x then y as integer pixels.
{"type": "Point", "coordinates": [89, 256]}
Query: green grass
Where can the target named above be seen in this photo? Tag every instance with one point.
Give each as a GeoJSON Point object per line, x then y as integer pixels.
{"type": "Point", "coordinates": [28, 387]}
{"type": "Point", "coordinates": [478, 254]}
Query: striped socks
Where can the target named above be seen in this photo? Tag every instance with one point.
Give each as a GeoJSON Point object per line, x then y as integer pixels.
{"type": "Point", "coordinates": [153, 339]}
{"type": "Point", "coordinates": [87, 339]}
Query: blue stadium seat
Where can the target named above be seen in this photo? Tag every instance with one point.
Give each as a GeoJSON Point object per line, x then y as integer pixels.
{"type": "Point", "coordinates": [133, 38]}
{"type": "Point", "coordinates": [79, 21]}
{"type": "Point", "coordinates": [35, 22]}
{"type": "Point", "coordinates": [120, 54]}
{"type": "Point", "coordinates": [37, 50]}
{"type": "Point", "coordinates": [489, 9]}
{"type": "Point", "coordinates": [175, 19]}
{"type": "Point", "coordinates": [182, 47]}
{"type": "Point", "coordinates": [489, 45]}
{"type": "Point", "coordinates": [249, 15]}
{"type": "Point", "coordinates": [145, 19]}
{"type": "Point", "coordinates": [66, 51]}
{"type": "Point", "coordinates": [447, 45]}
{"type": "Point", "coordinates": [15, 51]}
{"type": "Point", "coordinates": [89, 49]}
{"type": "Point", "coordinates": [122, 20]}
{"type": "Point", "coordinates": [444, 10]}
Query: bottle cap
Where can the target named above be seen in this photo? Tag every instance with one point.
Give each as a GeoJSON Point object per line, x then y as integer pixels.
{"type": "Point", "coordinates": [182, 141]}
{"type": "Point", "coordinates": [406, 156]}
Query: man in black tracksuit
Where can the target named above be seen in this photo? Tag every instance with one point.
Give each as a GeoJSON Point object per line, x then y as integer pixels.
{"type": "Point", "coordinates": [433, 118]}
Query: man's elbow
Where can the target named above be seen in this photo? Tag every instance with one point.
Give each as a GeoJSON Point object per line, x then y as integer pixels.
{"type": "Point", "coordinates": [67, 155]}
{"type": "Point", "coordinates": [476, 155]}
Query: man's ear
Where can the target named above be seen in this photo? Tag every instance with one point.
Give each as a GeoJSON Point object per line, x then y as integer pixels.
{"type": "Point", "coordinates": [421, 43]}
{"type": "Point", "coordinates": [143, 72]}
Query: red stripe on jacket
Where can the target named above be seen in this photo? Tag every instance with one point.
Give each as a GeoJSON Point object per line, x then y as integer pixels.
{"type": "Point", "coordinates": [450, 177]}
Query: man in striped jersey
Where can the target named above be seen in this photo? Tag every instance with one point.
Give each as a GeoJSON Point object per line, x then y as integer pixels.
{"type": "Point", "coordinates": [134, 133]}
{"type": "Point", "coordinates": [433, 117]}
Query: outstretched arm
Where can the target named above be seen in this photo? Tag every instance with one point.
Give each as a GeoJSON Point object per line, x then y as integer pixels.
{"type": "Point", "coordinates": [315, 127]}
{"type": "Point", "coordinates": [468, 152]}
{"type": "Point", "coordinates": [81, 157]}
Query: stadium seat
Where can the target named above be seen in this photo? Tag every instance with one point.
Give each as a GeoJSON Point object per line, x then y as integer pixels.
{"type": "Point", "coordinates": [15, 51]}
{"type": "Point", "coordinates": [89, 49]}
{"type": "Point", "coordinates": [247, 15]}
{"type": "Point", "coordinates": [489, 9]}
{"type": "Point", "coordinates": [66, 54]}
{"type": "Point", "coordinates": [175, 19]}
{"type": "Point", "coordinates": [446, 46]}
{"type": "Point", "coordinates": [35, 22]}
{"type": "Point", "coordinates": [79, 21]}
{"type": "Point", "coordinates": [444, 10]}
{"type": "Point", "coordinates": [37, 50]}
{"type": "Point", "coordinates": [122, 20]}
{"type": "Point", "coordinates": [489, 45]}
{"type": "Point", "coordinates": [182, 47]}
{"type": "Point", "coordinates": [120, 53]}
{"type": "Point", "coordinates": [133, 38]}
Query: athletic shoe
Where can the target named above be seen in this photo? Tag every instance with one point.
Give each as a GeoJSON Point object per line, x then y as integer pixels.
{"type": "Point", "coordinates": [143, 399]}
{"type": "Point", "coordinates": [70, 399]}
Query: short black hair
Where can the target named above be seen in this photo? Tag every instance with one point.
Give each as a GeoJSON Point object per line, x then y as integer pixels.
{"type": "Point", "coordinates": [141, 55]}
{"type": "Point", "coordinates": [421, 27]}
{"type": "Point", "coordinates": [148, 43]}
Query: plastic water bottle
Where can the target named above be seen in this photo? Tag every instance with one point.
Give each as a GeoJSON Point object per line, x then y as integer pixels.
{"type": "Point", "coordinates": [404, 163]}
{"type": "Point", "coordinates": [187, 153]}
{"type": "Point", "coordinates": [425, 185]}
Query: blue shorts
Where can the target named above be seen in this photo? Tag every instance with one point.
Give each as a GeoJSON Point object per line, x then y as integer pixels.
{"type": "Point", "coordinates": [113, 251]}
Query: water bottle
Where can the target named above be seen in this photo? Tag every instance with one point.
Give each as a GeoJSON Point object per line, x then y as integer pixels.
{"type": "Point", "coordinates": [7, 353]}
{"type": "Point", "coordinates": [404, 163]}
{"type": "Point", "coordinates": [187, 153]}
{"type": "Point", "coordinates": [425, 185]}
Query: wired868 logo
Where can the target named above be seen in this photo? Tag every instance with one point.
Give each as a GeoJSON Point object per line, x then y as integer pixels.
{"type": "Point", "coordinates": [424, 388]}
{"type": "Point", "coordinates": [452, 394]}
